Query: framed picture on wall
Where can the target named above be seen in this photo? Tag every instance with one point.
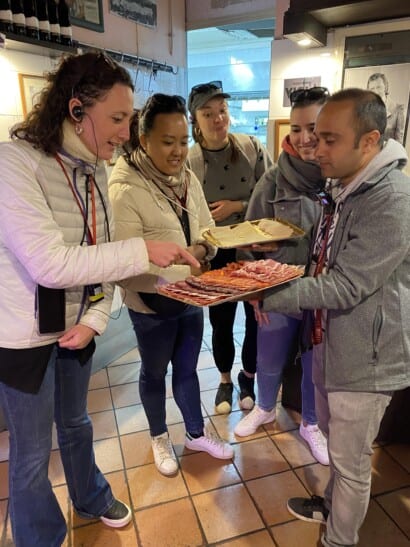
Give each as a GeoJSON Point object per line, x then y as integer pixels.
{"type": "Point", "coordinates": [392, 83]}
{"type": "Point", "coordinates": [87, 14]}
{"type": "Point", "coordinates": [143, 12]}
{"type": "Point", "coordinates": [31, 86]}
{"type": "Point", "coordinates": [282, 128]}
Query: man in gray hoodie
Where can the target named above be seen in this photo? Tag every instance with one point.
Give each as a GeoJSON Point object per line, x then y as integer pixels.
{"type": "Point", "coordinates": [360, 302]}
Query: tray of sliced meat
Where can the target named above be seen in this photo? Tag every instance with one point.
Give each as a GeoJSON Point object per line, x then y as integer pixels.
{"type": "Point", "coordinates": [235, 281]}
{"type": "Point", "coordinates": [252, 232]}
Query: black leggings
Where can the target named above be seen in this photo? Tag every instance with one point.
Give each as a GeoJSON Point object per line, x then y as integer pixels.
{"type": "Point", "coordinates": [222, 318]}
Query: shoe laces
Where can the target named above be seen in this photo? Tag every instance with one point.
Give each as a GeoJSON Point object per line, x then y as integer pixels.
{"type": "Point", "coordinates": [163, 447]}
{"type": "Point", "coordinates": [213, 438]}
{"type": "Point", "coordinates": [317, 438]}
{"type": "Point", "coordinates": [254, 415]}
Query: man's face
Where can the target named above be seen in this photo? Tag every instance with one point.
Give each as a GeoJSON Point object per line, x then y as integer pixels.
{"type": "Point", "coordinates": [336, 152]}
{"type": "Point", "coordinates": [378, 87]}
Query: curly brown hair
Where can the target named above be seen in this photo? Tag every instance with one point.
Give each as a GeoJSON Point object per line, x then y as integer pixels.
{"type": "Point", "coordinates": [87, 77]}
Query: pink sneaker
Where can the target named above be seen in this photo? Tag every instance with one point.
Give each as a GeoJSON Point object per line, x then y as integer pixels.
{"type": "Point", "coordinates": [317, 442]}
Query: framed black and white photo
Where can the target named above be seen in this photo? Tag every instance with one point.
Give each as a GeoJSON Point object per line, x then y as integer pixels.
{"type": "Point", "coordinates": [143, 12]}
{"type": "Point", "coordinates": [87, 14]}
{"type": "Point", "coordinates": [392, 83]}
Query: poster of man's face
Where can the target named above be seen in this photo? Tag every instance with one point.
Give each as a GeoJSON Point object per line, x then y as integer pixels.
{"type": "Point", "coordinates": [392, 83]}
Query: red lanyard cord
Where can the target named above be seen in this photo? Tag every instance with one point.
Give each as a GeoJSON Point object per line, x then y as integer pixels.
{"type": "Point", "coordinates": [317, 325]}
{"type": "Point", "coordinates": [92, 234]}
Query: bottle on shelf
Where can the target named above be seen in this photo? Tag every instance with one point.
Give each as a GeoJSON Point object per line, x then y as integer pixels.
{"type": "Point", "coordinates": [52, 7]}
{"type": "Point", "coordinates": [19, 20]}
{"type": "Point", "coordinates": [6, 16]}
{"type": "Point", "coordinates": [43, 22]}
{"type": "Point", "coordinates": [66, 34]}
{"type": "Point", "coordinates": [31, 19]}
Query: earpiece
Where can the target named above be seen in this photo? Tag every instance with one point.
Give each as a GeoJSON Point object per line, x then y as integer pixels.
{"type": "Point", "coordinates": [77, 113]}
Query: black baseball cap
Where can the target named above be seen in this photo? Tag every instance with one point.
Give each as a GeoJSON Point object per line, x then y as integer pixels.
{"type": "Point", "coordinates": [202, 93]}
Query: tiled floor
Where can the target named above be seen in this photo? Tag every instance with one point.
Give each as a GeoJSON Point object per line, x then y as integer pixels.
{"type": "Point", "coordinates": [235, 503]}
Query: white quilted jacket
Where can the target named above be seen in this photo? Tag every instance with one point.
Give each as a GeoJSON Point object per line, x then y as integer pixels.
{"type": "Point", "coordinates": [41, 227]}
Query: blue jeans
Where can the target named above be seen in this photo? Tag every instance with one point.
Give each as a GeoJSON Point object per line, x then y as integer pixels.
{"type": "Point", "coordinates": [160, 341]}
{"type": "Point", "coordinates": [278, 346]}
{"type": "Point", "coordinates": [36, 517]}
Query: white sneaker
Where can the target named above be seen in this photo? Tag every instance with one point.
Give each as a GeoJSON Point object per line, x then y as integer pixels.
{"type": "Point", "coordinates": [211, 443]}
{"type": "Point", "coordinates": [256, 417]}
{"type": "Point", "coordinates": [317, 442]}
{"type": "Point", "coordinates": [164, 456]}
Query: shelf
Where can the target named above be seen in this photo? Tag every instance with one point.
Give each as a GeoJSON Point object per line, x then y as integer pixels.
{"type": "Point", "coordinates": [18, 42]}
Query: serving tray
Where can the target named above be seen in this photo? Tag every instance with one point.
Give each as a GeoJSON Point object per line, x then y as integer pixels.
{"type": "Point", "coordinates": [252, 232]}
{"type": "Point", "coordinates": [273, 273]}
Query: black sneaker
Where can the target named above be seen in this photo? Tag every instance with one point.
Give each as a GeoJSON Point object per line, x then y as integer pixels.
{"type": "Point", "coordinates": [223, 399]}
{"type": "Point", "coordinates": [246, 391]}
{"type": "Point", "coordinates": [117, 516]}
{"type": "Point", "coordinates": [309, 509]}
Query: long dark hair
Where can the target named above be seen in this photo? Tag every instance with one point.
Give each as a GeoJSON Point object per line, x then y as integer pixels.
{"type": "Point", "coordinates": [142, 121]}
{"type": "Point", "coordinates": [87, 77]}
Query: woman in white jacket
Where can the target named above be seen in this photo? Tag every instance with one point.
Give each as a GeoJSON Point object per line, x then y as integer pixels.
{"type": "Point", "coordinates": [154, 195]}
{"type": "Point", "coordinates": [57, 263]}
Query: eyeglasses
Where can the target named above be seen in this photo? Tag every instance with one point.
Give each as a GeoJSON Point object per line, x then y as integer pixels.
{"type": "Point", "coordinates": [204, 88]}
{"type": "Point", "coordinates": [312, 94]}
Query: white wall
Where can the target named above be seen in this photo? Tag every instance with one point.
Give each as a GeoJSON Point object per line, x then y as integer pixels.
{"type": "Point", "coordinates": [165, 44]}
{"type": "Point", "coordinates": [291, 61]}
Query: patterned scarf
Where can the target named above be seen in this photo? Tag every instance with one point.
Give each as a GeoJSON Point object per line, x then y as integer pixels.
{"type": "Point", "coordinates": [174, 188]}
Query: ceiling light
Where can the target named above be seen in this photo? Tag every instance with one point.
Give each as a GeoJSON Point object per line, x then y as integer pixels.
{"type": "Point", "coordinates": [304, 29]}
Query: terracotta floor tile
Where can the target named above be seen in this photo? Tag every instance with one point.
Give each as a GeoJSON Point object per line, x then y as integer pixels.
{"type": "Point", "coordinates": [4, 446]}
{"type": "Point", "coordinates": [157, 525]}
{"type": "Point", "coordinates": [108, 455]}
{"type": "Point", "coordinates": [298, 534]}
{"type": "Point", "coordinates": [136, 448]}
{"type": "Point", "coordinates": [99, 400]}
{"type": "Point", "coordinates": [205, 360]}
{"type": "Point", "coordinates": [387, 474]}
{"type": "Point", "coordinates": [271, 494]}
{"type": "Point", "coordinates": [99, 379]}
{"type": "Point", "coordinates": [208, 378]}
{"type": "Point", "coordinates": [4, 481]}
{"type": "Point", "coordinates": [3, 516]}
{"type": "Point", "coordinates": [132, 356]}
{"type": "Point", "coordinates": [227, 513]}
{"type": "Point", "coordinates": [401, 453]}
{"type": "Point", "coordinates": [55, 469]}
{"type": "Point", "coordinates": [256, 539]}
{"type": "Point", "coordinates": [257, 458]}
{"type": "Point", "coordinates": [177, 434]}
{"type": "Point", "coordinates": [131, 419]}
{"type": "Point", "coordinates": [202, 472]}
{"type": "Point", "coordinates": [98, 534]}
{"type": "Point", "coordinates": [123, 374]}
{"type": "Point", "coordinates": [286, 420]}
{"type": "Point", "coordinates": [149, 487]}
{"type": "Point", "coordinates": [379, 530]}
{"type": "Point", "coordinates": [126, 395]}
{"type": "Point", "coordinates": [397, 505]}
{"type": "Point", "coordinates": [315, 477]}
{"type": "Point", "coordinates": [225, 425]}
{"type": "Point", "coordinates": [293, 448]}
{"type": "Point", "coordinates": [104, 425]}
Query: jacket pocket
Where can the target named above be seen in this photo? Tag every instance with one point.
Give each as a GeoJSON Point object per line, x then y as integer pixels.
{"type": "Point", "coordinates": [377, 327]}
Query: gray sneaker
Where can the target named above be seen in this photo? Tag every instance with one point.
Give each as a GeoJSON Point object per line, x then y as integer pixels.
{"type": "Point", "coordinates": [308, 509]}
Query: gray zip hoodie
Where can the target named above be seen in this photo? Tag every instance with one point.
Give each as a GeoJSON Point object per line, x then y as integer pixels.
{"type": "Point", "coordinates": [366, 290]}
